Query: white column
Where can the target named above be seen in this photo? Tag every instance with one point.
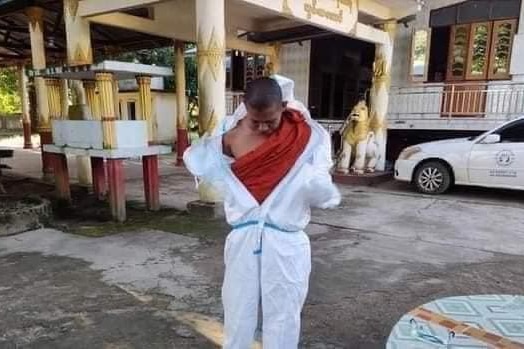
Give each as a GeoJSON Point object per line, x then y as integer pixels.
{"type": "Point", "coordinates": [211, 33]}
{"type": "Point", "coordinates": [79, 52]}
{"type": "Point", "coordinates": [517, 55]}
{"type": "Point", "coordinates": [379, 96]}
{"type": "Point", "coordinates": [78, 35]}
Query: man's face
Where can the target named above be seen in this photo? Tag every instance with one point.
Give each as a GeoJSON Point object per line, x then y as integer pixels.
{"type": "Point", "coordinates": [265, 121]}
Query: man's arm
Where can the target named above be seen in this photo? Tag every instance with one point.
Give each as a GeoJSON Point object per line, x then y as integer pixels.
{"type": "Point", "coordinates": [322, 192]}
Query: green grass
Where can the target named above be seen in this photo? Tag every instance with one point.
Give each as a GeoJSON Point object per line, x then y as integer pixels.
{"type": "Point", "coordinates": [10, 133]}
{"type": "Point", "coordinates": [167, 220]}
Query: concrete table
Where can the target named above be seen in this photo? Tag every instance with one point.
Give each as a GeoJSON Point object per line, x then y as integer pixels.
{"type": "Point", "coordinates": [473, 322]}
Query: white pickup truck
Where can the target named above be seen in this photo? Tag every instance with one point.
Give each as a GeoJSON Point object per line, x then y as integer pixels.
{"type": "Point", "coordinates": [494, 159]}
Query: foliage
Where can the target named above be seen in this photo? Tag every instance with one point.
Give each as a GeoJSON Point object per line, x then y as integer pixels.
{"type": "Point", "coordinates": [9, 96]}
{"type": "Point", "coordinates": [164, 56]}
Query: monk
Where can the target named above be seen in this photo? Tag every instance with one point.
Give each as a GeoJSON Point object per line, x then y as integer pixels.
{"type": "Point", "coordinates": [271, 162]}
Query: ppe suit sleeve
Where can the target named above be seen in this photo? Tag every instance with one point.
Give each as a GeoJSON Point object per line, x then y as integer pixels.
{"type": "Point", "coordinates": [202, 161]}
{"type": "Point", "coordinates": [322, 192]}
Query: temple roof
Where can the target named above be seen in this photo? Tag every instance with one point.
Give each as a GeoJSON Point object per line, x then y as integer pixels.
{"type": "Point", "coordinates": [15, 45]}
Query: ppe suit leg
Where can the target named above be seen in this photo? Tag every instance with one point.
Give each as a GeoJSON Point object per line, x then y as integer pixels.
{"type": "Point", "coordinates": [241, 290]}
{"type": "Point", "coordinates": [285, 269]}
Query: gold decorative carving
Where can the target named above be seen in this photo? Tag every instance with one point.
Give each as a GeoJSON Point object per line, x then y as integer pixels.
{"type": "Point", "coordinates": [286, 9]}
{"type": "Point", "coordinates": [71, 6]}
{"type": "Point", "coordinates": [210, 54]}
{"type": "Point", "coordinates": [92, 98]}
{"type": "Point", "coordinates": [377, 123]}
{"type": "Point", "coordinates": [43, 125]}
{"type": "Point", "coordinates": [144, 95]}
{"type": "Point", "coordinates": [348, 3]}
{"type": "Point", "coordinates": [35, 16]}
{"type": "Point", "coordinates": [104, 84]}
{"type": "Point", "coordinates": [82, 57]}
{"type": "Point", "coordinates": [211, 121]}
{"type": "Point", "coordinates": [380, 71]}
{"type": "Point", "coordinates": [313, 9]}
{"type": "Point", "coordinates": [269, 69]}
{"type": "Point", "coordinates": [53, 98]}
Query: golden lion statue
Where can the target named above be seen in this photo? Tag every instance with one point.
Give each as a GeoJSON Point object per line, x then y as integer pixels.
{"type": "Point", "coordinates": [358, 142]}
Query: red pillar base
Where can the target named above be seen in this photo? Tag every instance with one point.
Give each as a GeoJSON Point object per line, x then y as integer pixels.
{"type": "Point", "coordinates": [98, 170]}
{"type": "Point", "coordinates": [151, 182]}
{"type": "Point", "coordinates": [47, 164]}
{"type": "Point", "coordinates": [59, 161]}
{"type": "Point", "coordinates": [28, 143]}
{"type": "Point", "coordinates": [182, 145]}
{"type": "Point", "coordinates": [117, 191]}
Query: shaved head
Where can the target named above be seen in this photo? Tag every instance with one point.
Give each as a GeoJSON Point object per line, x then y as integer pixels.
{"type": "Point", "coordinates": [262, 94]}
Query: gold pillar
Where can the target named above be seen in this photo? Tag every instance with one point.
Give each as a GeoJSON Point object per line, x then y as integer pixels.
{"type": "Point", "coordinates": [36, 33]}
{"type": "Point", "coordinates": [104, 84]}
{"type": "Point", "coordinates": [379, 94]}
{"type": "Point", "coordinates": [93, 99]}
{"type": "Point", "coordinates": [144, 95]}
{"type": "Point", "coordinates": [180, 76]}
{"type": "Point", "coordinates": [24, 100]}
{"type": "Point", "coordinates": [182, 136]}
{"type": "Point", "coordinates": [53, 98]}
{"type": "Point", "coordinates": [64, 99]}
{"type": "Point", "coordinates": [116, 100]}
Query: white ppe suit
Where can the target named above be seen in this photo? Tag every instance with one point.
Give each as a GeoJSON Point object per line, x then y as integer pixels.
{"type": "Point", "coordinates": [267, 254]}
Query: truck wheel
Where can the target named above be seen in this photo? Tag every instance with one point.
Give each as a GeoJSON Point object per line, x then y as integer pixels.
{"type": "Point", "coordinates": [432, 178]}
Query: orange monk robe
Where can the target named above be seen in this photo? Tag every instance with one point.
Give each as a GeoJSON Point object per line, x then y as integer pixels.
{"type": "Point", "coordinates": [263, 168]}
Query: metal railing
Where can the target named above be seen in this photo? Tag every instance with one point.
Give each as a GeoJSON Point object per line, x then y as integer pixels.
{"type": "Point", "coordinates": [490, 101]}
{"type": "Point", "coordinates": [233, 100]}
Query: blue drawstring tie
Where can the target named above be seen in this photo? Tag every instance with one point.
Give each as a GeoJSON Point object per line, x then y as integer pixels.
{"type": "Point", "coordinates": [262, 225]}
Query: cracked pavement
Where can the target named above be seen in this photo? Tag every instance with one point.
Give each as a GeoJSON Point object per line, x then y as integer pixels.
{"type": "Point", "coordinates": [383, 252]}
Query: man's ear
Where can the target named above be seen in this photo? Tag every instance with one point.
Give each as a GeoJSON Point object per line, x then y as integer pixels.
{"type": "Point", "coordinates": [284, 105]}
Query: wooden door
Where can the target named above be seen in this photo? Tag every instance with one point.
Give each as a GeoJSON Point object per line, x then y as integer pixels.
{"type": "Point", "coordinates": [464, 100]}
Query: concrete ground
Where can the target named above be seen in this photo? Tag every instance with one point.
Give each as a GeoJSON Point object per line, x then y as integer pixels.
{"type": "Point", "coordinates": [383, 252]}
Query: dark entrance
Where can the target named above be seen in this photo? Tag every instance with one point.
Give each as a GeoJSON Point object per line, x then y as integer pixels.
{"type": "Point", "coordinates": [341, 72]}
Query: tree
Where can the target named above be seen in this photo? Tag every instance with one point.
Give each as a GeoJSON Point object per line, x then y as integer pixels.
{"type": "Point", "coordinates": [9, 96]}
{"type": "Point", "coordinates": [164, 56]}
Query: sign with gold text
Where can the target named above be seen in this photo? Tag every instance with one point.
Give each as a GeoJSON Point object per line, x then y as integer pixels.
{"type": "Point", "coordinates": [335, 15]}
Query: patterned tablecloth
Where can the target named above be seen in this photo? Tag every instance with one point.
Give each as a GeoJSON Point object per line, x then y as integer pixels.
{"type": "Point", "coordinates": [467, 322]}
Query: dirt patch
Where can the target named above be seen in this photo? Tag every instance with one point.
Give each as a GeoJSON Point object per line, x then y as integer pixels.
{"type": "Point", "coordinates": [90, 217]}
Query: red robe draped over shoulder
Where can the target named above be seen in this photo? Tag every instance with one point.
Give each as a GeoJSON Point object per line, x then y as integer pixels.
{"type": "Point", "coordinates": [263, 168]}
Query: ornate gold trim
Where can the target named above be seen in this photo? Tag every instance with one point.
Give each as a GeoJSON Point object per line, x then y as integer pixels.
{"type": "Point", "coordinates": [348, 3]}
{"type": "Point", "coordinates": [35, 16]}
{"type": "Point", "coordinates": [71, 8]}
{"type": "Point", "coordinates": [380, 70]}
{"type": "Point", "coordinates": [81, 57]}
{"type": "Point", "coordinates": [211, 54]}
